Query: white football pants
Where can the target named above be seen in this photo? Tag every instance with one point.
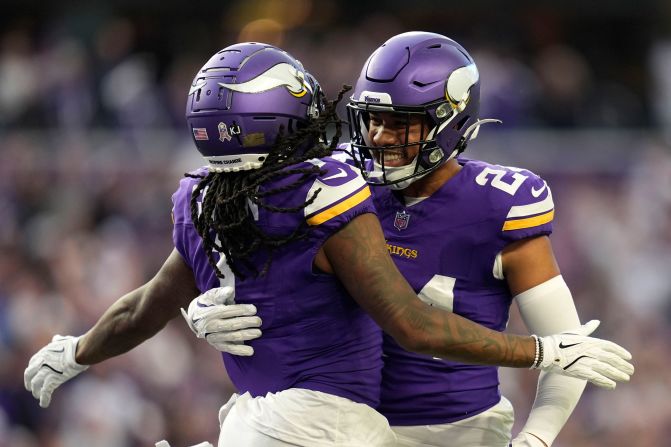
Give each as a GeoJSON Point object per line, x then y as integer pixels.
{"type": "Point", "coordinates": [491, 428]}
{"type": "Point", "coordinates": [299, 417]}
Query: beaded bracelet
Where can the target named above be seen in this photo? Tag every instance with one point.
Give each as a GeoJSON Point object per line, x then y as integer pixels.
{"type": "Point", "coordinates": [540, 352]}
{"type": "Point", "coordinates": [537, 343]}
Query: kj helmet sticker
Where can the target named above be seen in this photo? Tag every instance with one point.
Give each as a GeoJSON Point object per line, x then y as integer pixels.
{"type": "Point", "coordinates": [235, 130]}
{"type": "Point", "coordinates": [226, 133]}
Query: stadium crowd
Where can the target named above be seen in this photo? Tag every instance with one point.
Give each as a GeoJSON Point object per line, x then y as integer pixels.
{"type": "Point", "coordinates": [93, 144]}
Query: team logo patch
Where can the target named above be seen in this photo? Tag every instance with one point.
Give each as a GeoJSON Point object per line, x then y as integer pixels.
{"type": "Point", "coordinates": [401, 220]}
{"type": "Point", "coordinates": [200, 133]}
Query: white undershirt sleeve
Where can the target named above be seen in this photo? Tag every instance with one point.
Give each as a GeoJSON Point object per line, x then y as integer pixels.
{"type": "Point", "coordinates": [547, 309]}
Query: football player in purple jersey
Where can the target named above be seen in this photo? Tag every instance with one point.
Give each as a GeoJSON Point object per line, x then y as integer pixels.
{"type": "Point", "coordinates": [292, 232]}
{"type": "Point", "coordinates": [470, 237]}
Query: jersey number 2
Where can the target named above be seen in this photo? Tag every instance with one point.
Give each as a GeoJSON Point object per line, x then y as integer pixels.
{"type": "Point", "coordinates": [497, 180]}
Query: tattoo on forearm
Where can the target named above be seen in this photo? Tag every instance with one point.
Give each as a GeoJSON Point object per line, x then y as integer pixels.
{"type": "Point", "coordinates": [369, 273]}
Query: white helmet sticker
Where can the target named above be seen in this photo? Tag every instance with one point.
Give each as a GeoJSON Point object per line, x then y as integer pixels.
{"type": "Point", "coordinates": [378, 98]}
{"type": "Point", "coordinates": [460, 82]}
{"type": "Point", "coordinates": [276, 76]}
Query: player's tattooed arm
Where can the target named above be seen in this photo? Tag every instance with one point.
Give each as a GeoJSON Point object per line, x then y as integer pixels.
{"type": "Point", "coordinates": [140, 314]}
{"type": "Point", "coordinates": [358, 256]}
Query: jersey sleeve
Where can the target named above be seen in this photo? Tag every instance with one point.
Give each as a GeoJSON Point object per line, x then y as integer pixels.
{"type": "Point", "coordinates": [341, 195]}
{"type": "Point", "coordinates": [530, 212]}
{"type": "Point", "coordinates": [345, 153]}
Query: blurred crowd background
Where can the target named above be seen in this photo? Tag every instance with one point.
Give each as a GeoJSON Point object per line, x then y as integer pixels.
{"type": "Point", "coordinates": [93, 143]}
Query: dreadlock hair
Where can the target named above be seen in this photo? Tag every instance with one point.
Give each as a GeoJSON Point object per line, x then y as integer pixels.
{"type": "Point", "coordinates": [224, 220]}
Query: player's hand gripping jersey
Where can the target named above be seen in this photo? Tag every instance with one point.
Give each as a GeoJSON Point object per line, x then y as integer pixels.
{"type": "Point", "coordinates": [446, 246]}
{"type": "Point", "coordinates": [314, 335]}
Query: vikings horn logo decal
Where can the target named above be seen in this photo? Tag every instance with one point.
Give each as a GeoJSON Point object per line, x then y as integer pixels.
{"type": "Point", "coordinates": [276, 76]}
{"type": "Point", "coordinates": [459, 83]}
{"type": "Point", "coordinates": [458, 93]}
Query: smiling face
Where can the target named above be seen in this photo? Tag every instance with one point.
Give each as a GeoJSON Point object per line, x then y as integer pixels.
{"type": "Point", "coordinates": [393, 129]}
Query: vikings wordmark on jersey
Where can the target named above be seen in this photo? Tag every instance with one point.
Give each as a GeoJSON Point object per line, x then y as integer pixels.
{"type": "Point", "coordinates": [458, 230]}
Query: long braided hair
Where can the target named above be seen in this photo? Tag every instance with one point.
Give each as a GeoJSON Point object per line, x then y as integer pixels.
{"type": "Point", "coordinates": [224, 220]}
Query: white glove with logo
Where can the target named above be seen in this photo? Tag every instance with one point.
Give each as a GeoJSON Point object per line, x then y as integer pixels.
{"type": "Point", "coordinates": [225, 325]}
{"type": "Point", "coordinates": [573, 353]}
{"type": "Point", "coordinates": [52, 366]}
{"type": "Point", "coordinates": [527, 440]}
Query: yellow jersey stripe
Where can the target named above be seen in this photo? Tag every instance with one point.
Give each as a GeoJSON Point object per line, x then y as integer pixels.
{"type": "Point", "coordinates": [529, 221]}
{"type": "Point", "coordinates": [340, 208]}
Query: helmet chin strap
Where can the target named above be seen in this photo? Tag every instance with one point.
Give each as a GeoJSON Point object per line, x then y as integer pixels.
{"type": "Point", "coordinates": [475, 128]}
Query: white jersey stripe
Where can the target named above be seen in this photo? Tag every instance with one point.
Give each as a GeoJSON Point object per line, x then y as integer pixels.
{"type": "Point", "coordinates": [329, 195]}
{"type": "Point", "coordinates": [543, 206]}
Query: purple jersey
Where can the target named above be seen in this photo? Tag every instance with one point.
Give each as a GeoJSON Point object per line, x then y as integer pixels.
{"type": "Point", "coordinates": [446, 246]}
{"type": "Point", "coordinates": [314, 335]}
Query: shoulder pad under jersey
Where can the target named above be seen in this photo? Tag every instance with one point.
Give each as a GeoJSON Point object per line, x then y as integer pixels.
{"type": "Point", "coordinates": [341, 188]}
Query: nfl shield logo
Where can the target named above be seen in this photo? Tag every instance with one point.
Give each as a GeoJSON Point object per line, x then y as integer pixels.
{"type": "Point", "coordinates": [401, 220]}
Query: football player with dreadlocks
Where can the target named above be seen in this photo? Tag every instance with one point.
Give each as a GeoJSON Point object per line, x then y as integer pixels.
{"type": "Point", "coordinates": [292, 232]}
{"type": "Point", "coordinates": [470, 237]}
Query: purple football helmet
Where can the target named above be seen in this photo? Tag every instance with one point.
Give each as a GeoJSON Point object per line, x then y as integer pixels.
{"type": "Point", "coordinates": [416, 73]}
{"type": "Point", "coordinates": [241, 97]}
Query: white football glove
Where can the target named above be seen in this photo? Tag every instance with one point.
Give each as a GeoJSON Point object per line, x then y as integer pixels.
{"type": "Point", "coordinates": [573, 353]}
{"type": "Point", "coordinates": [527, 440]}
{"type": "Point", "coordinates": [52, 366]}
{"type": "Point", "coordinates": [225, 325]}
